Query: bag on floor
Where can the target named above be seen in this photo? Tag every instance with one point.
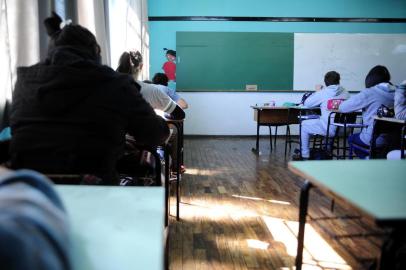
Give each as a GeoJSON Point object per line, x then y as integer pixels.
{"type": "Point", "coordinates": [320, 154]}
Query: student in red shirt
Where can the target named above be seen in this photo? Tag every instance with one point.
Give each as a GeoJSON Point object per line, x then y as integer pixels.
{"type": "Point", "coordinates": [169, 66]}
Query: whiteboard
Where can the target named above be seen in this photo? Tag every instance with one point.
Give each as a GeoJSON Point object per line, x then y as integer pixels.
{"type": "Point", "coordinates": [351, 55]}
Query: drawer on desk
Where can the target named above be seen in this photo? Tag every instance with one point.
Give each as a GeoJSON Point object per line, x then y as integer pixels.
{"type": "Point", "coordinates": [272, 116]}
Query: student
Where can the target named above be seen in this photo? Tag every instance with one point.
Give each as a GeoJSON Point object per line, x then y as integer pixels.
{"type": "Point", "coordinates": [132, 63]}
{"type": "Point", "coordinates": [70, 113]}
{"type": "Point", "coordinates": [34, 226]}
{"type": "Point", "coordinates": [400, 113]}
{"type": "Point", "coordinates": [400, 101]}
{"type": "Point", "coordinates": [169, 66]}
{"type": "Point", "coordinates": [320, 98]}
{"type": "Point", "coordinates": [379, 91]}
{"type": "Point", "coordinates": [161, 81]}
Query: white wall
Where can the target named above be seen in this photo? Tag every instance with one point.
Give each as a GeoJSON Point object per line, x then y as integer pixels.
{"type": "Point", "coordinates": [219, 113]}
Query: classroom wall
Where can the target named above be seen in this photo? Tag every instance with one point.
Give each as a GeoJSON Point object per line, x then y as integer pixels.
{"type": "Point", "coordinates": [229, 113]}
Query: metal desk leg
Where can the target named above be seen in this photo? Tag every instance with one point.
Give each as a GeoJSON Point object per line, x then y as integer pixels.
{"type": "Point", "coordinates": [178, 171]}
{"type": "Point", "coordinates": [304, 203]}
{"type": "Point", "coordinates": [167, 178]}
{"type": "Point", "coordinates": [276, 134]}
{"type": "Point", "coordinates": [256, 149]}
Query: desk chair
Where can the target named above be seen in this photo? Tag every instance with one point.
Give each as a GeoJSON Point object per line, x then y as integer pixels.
{"type": "Point", "coordinates": [301, 114]}
{"type": "Point", "coordinates": [394, 132]}
{"type": "Point", "coordinates": [178, 124]}
{"type": "Point", "coordinates": [345, 121]}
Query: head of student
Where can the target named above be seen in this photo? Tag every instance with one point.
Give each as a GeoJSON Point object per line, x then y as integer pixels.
{"type": "Point", "coordinates": [171, 55]}
{"type": "Point", "coordinates": [378, 74]}
{"type": "Point", "coordinates": [160, 78]}
{"type": "Point", "coordinates": [131, 63]}
{"type": "Point", "coordinates": [74, 37]}
{"type": "Point", "coordinates": [332, 78]}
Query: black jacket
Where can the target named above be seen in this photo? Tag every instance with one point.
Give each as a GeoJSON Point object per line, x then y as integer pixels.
{"type": "Point", "coordinates": [70, 115]}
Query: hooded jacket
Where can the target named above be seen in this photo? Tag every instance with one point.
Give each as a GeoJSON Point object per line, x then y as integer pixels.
{"type": "Point", "coordinates": [34, 227]}
{"type": "Point", "coordinates": [400, 102]}
{"type": "Point", "coordinates": [369, 100]}
{"type": "Point", "coordinates": [70, 115]}
{"type": "Point", "coordinates": [320, 98]}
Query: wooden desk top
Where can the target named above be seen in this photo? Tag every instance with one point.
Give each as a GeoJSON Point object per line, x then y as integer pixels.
{"type": "Point", "coordinates": [376, 187]}
{"type": "Point", "coordinates": [115, 227]}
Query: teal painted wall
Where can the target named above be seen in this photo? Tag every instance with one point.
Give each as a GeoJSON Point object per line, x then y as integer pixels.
{"type": "Point", "coordinates": [163, 34]}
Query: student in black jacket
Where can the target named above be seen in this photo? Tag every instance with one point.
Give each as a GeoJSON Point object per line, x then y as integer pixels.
{"type": "Point", "coordinates": [70, 114]}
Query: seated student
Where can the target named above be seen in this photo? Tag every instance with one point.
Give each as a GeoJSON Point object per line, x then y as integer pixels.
{"type": "Point", "coordinates": [161, 81]}
{"type": "Point", "coordinates": [400, 113]}
{"type": "Point", "coordinates": [379, 91]}
{"type": "Point", "coordinates": [70, 113]}
{"type": "Point", "coordinates": [320, 98]}
{"type": "Point", "coordinates": [400, 101]}
{"type": "Point", "coordinates": [131, 63]}
{"type": "Point", "coordinates": [34, 227]}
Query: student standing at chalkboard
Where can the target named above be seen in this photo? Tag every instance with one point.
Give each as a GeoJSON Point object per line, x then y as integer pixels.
{"type": "Point", "coordinates": [379, 91]}
{"type": "Point", "coordinates": [320, 98]}
{"type": "Point", "coordinates": [169, 66]}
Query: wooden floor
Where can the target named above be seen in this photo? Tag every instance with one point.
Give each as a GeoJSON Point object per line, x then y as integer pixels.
{"type": "Point", "coordinates": [240, 211]}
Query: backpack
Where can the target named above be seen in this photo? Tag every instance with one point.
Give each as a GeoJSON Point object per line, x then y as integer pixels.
{"type": "Point", "coordinates": [320, 154]}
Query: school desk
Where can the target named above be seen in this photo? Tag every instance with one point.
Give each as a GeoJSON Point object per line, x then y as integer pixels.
{"type": "Point", "coordinates": [376, 188]}
{"type": "Point", "coordinates": [115, 227]}
{"type": "Point", "coordinates": [278, 116]}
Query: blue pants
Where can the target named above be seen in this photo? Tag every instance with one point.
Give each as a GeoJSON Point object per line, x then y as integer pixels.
{"type": "Point", "coordinates": [355, 139]}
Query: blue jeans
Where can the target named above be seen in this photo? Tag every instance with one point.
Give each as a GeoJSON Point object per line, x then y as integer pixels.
{"type": "Point", "coordinates": [355, 139]}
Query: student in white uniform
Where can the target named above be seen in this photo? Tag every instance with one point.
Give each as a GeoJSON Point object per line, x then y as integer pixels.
{"type": "Point", "coordinates": [131, 63]}
{"type": "Point", "coordinates": [161, 81]}
{"type": "Point", "coordinates": [400, 113]}
{"type": "Point", "coordinates": [379, 91]}
{"type": "Point", "coordinates": [333, 89]}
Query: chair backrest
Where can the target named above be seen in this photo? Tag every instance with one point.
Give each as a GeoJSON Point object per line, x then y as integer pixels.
{"type": "Point", "coordinates": [391, 133]}
{"type": "Point", "coordinates": [345, 118]}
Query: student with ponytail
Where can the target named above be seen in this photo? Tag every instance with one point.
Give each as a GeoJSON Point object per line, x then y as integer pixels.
{"type": "Point", "coordinates": [131, 63]}
{"type": "Point", "coordinates": [70, 114]}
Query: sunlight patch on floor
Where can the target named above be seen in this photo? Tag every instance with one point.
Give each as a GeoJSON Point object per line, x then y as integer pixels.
{"type": "Point", "coordinates": [260, 199]}
{"type": "Point", "coordinates": [207, 209]}
{"type": "Point", "coordinates": [196, 171]}
{"type": "Point", "coordinates": [317, 252]}
{"type": "Point", "coordinates": [257, 244]}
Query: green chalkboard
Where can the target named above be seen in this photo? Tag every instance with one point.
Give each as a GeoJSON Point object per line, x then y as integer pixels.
{"type": "Point", "coordinates": [229, 61]}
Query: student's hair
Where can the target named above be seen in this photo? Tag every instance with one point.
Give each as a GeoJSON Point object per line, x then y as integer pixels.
{"type": "Point", "coordinates": [332, 78]}
{"type": "Point", "coordinates": [129, 62]}
{"type": "Point", "coordinates": [378, 74]}
{"type": "Point", "coordinates": [148, 81]}
{"type": "Point", "coordinates": [160, 78]}
{"type": "Point", "coordinates": [71, 35]}
{"type": "Point", "coordinates": [170, 52]}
